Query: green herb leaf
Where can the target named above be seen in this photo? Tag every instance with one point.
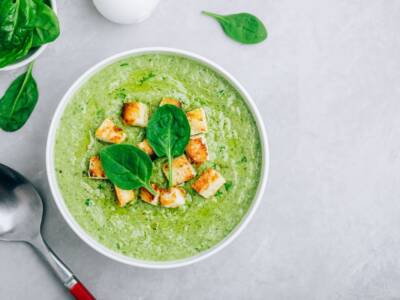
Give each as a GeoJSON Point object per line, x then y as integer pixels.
{"type": "Point", "coordinates": [24, 24]}
{"type": "Point", "coordinates": [14, 21]}
{"type": "Point", "coordinates": [127, 167]}
{"type": "Point", "coordinates": [45, 24]}
{"type": "Point", "coordinates": [244, 28]}
{"type": "Point", "coordinates": [228, 186]}
{"type": "Point", "coordinates": [18, 101]}
{"type": "Point", "coordinates": [9, 56]}
{"type": "Point", "coordinates": [146, 78]}
{"type": "Point", "coordinates": [168, 133]}
{"type": "Point", "coordinates": [89, 202]}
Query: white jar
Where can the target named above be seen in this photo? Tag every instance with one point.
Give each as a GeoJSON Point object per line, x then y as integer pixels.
{"type": "Point", "coordinates": [126, 11]}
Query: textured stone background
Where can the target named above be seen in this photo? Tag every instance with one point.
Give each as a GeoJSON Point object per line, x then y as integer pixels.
{"type": "Point", "coordinates": [327, 84]}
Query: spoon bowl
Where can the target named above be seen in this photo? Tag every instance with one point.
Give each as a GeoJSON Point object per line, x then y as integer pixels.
{"type": "Point", "coordinates": [21, 208]}
{"type": "Point", "coordinates": [21, 212]}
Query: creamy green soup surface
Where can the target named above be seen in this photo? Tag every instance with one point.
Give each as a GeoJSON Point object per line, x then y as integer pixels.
{"type": "Point", "coordinates": [141, 230]}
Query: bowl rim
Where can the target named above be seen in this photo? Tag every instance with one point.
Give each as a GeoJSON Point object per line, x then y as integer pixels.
{"type": "Point", "coordinates": [35, 54]}
{"type": "Point", "coordinates": [56, 193]}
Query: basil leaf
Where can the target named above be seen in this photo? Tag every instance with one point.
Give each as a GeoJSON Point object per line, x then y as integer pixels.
{"type": "Point", "coordinates": [168, 133]}
{"type": "Point", "coordinates": [18, 101]}
{"type": "Point", "coordinates": [244, 28]}
{"type": "Point", "coordinates": [127, 167]}
{"type": "Point", "coordinates": [45, 24]}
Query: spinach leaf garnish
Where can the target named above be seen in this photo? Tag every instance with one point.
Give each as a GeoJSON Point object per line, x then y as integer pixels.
{"type": "Point", "coordinates": [127, 167]}
{"type": "Point", "coordinates": [168, 133]}
{"type": "Point", "coordinates": [244, 28]}
{"type": "Point", "coordinates": [18, 102]}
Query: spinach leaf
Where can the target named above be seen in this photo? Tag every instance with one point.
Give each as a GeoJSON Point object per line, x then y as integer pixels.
{"type": "Point", "coordinates": [18, 101]}
{"type": "Point", "coordinates": [25, 24]}
{"type": "Point", "coordinates": [15, 16]}
{"type": "Point", "coordinates": [127, 167]}
{"type": "Point", "coordinates": [45, 24]}
{"type": "Point", "coordinates": [9, 10]}
{"type": "Point", "coordinates": [244, 28]}
{"type": "Point", "coordinates": [9, 56]}
{"type": "Point", "coordinates": [168, 133]}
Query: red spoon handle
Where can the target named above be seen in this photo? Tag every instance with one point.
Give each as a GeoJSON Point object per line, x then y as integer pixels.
{"type": "Point", "coordinates": [79, 291]}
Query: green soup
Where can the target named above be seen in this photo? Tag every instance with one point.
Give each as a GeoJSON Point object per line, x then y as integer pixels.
{"type": "Point", "coordinates": [141, 230]}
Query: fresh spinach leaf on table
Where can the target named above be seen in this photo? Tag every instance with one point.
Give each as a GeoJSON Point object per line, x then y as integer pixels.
{"type": "Point", "coordinates": [18, 102]}
{"type": "Point", "coordinates": [168, 133]}
{"type": "Point", "coordinates": [127, 167]}
{"type": "Point", "coordinates": [244, 28]}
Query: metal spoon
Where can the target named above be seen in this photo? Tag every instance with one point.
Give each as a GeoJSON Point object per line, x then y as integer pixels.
{"type": "Point", "coordinates": [21, 212]}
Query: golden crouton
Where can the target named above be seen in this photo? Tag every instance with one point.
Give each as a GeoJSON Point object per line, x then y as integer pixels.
{"type": "Point", "coordinates": [135, 114]}
{"type": "Point", "coordinates": [146, 147]}
{"type": "Point", "coordinates": [148, 197]}
{"type": "Point", "coordinates": [172, 197]}
{"type": "Point", "coordinates": [197, 120]}
{"type": "Point", "coordinates": [96, 170]}
{"type": "Point", "coordinates": [208, 183]}
{"type": "Point", "coordinates": [124, 196]}
{"type": "Point", "coordinates": [171, 101]}
{"type": "Point", "coordinates": [110, 133]}
{"type": "Point", "coordinates": [182, 170]}
{"type": "Point", "coordinates": [197, 149]}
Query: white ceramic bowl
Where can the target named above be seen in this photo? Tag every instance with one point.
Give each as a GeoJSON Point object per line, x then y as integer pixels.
{"type": "Point", "coordinates": [60, 201]}
{"type": "Point", "coordinates": [32, 55]}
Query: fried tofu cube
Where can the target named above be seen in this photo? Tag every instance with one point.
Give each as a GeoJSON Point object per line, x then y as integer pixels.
{"type": "Point", "coordinates": [96, 170]}
{"type": "Point", "coordinates": [148, 197]}
{"type": "Point", "coordinates": [209, 182]}
{"type": "Point", "coordinates": [197, 120]}
{"type": "Point", "coordinates": [172, 197]}
{"type": "Point", "coordinates": [135, 114]}
{"type": "Point", "coordinates": [197, 150]}
{"type": "Point", "coordinates": [110, 133]}
{"type": "Point", "coordinates": [182, 170]}
{"type": "Point", "coordinates": [124, 196]}
{"type": "Point", "coordinates": [171, 101]}
{"type": "Point", "coordinates": [146, 147]}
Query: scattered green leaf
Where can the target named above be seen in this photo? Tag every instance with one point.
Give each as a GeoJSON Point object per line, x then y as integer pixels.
{"type": "Point", "coordinates": [18, 102]}
{"type": "Point", "coordinates": [244, 28]}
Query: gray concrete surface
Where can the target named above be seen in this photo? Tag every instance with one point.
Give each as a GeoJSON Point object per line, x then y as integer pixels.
{"type": "Point", "coordinates": [327, 84]}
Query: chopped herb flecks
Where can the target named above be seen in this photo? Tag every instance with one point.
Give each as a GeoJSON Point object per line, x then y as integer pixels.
{"type": "Point", "coordinates": [89, 202]}
{"type": "Point", "coordinates": [228, 185]}
{"type": "Point", "coordinates": [147, 77]}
